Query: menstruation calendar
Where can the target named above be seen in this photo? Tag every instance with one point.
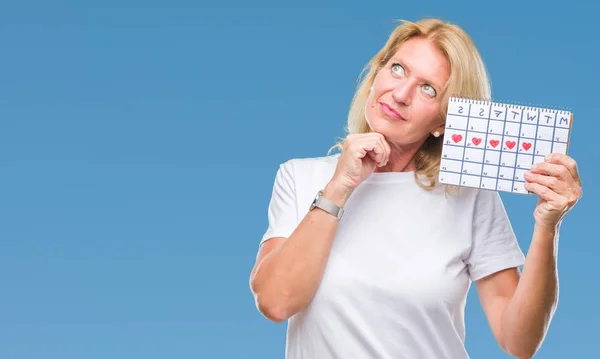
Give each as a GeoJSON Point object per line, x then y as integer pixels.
{"type": "Point", "coordinates": [490, 145]}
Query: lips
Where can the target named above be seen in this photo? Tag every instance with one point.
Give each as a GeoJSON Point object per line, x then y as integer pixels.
{"type": "Point", "coordinates": [390, 111]}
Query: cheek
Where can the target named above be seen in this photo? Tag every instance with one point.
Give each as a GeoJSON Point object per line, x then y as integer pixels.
{"type": "Point", "coordinates": [427, 114]}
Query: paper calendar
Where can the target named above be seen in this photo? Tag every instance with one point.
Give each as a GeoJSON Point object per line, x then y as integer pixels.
{"type": "Point", "coordinates": [490, 145]}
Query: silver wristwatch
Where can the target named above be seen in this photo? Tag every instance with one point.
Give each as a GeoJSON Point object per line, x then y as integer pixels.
{"type": "Point", "coordinates": [327, 205]}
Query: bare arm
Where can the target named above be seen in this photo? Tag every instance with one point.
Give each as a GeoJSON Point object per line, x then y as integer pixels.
{"type": "Point", "coordinates": [530, 310]}
{"type": "Point", "coordinates": [520, 309]}
{"type": "Point", "coordinates": [288, 271]}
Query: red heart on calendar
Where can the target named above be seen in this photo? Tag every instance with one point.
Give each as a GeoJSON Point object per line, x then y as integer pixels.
{"type": "Point", "coordinates": [494, 143]}
{"type": "Point", "coordinates": [526, 145]}
{"type": "Point", "coordinates": [476, 141]}
{"type": "Point", "coordinates": [456, 138]}
{"type": "Point", "coordinates": [510, 144]}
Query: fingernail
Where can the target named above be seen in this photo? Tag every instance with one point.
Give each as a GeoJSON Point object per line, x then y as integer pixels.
{"type": "Point", "coordinates": [547, 158]}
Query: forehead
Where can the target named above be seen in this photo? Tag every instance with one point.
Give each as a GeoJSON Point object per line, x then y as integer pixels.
{"type": "Point", "coordinates": [424, 60]}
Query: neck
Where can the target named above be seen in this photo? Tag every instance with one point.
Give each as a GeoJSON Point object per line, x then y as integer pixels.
{"type": "Point", "coordinates": [402, 159]}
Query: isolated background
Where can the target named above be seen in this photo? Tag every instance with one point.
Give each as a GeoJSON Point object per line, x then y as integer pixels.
{"type": "Point", "coordinates": [139, 141]}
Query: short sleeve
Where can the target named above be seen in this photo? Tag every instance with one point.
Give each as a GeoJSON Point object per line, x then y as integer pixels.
{"type": "Point", "coordinates": [282, 211]}
{"type": "Point", "coordinates": [494, 244]}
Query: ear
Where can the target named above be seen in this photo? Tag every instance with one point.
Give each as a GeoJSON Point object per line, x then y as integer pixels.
{"type": "Point", "coordinates": [440, 129]}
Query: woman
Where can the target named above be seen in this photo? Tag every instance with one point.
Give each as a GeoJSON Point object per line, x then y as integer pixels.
{"type": "Point", "coordinates": [380, 264]}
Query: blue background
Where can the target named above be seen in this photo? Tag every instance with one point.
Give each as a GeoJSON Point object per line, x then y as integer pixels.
{"type": "Point", "coordinates": [139, 141]}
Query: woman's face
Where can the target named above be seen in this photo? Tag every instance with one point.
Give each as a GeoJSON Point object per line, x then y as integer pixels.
{"type": "Point", "coordinates": [405, 102]}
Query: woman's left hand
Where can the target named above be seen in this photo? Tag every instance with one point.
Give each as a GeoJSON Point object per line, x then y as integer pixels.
{"type": "Point", "coordinates": [556, 181]}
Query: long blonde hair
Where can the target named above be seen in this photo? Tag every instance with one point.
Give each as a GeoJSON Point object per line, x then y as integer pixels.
{"type": "Point", "coordinates": [468, 78]}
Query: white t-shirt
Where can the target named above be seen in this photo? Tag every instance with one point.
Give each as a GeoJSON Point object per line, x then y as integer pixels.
{"type": "Point", "coordinates": [401, 264]}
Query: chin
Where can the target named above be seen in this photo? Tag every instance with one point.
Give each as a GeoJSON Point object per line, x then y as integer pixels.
{"type": "Point", "coordinates": [387, 129]}
{"type": "Point", "coordinates": [395, 135]}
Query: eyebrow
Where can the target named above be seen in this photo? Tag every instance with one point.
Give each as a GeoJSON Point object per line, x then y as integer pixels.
{"type": "Point", "coordinates": [437, 86]}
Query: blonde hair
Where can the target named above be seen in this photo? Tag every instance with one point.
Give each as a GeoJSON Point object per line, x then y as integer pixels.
{"type": "Point", "coordinates": [468, 78]}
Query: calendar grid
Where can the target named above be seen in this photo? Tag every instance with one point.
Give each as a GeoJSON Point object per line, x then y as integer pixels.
{"type": "Point", "coordinates": [491, 151]}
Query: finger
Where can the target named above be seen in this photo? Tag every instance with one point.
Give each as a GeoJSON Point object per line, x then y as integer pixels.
{"type": "Point", "coordinates": [551, 169]}
{"type": "Point", "coordinates": [381, 145]}
{"type": "Point", "coordinates": [356, 149]}
{"type": "Point", "coordinates": [555, 200]}
{"type": "Point", "coordinates": [551, 182]}
{"type": "Point", "coordinates": [379, 150]}
{"type": "Point", "coordinates": [567, 161]}
{"type": "Point", "coordinates": [377, 155]}
{"type": "Point", "coordinates": [372, 147]}
{"type": "Point", "coordinates": [385, 154]}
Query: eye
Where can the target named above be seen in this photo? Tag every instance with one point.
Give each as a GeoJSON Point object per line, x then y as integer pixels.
{"type": "Point", "coordinates": [429, 90]}
{"type": "Point", "coordinates": [398, 69]}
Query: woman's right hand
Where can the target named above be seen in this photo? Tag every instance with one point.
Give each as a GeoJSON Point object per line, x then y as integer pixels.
{"type": "Point", "coordinates": [360, 155]}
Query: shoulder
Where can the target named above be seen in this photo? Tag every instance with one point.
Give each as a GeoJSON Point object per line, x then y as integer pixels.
{"type": "Point", "coordinates": [307, 175]}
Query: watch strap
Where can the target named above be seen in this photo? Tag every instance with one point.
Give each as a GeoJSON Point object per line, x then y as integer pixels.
{"type": "Point", "coordinates": [328, 206]}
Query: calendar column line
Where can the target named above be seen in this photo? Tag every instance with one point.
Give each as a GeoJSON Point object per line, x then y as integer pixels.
{"type": "Point", "coordinates": [535, 137]}
{"type": "Point", "coordinates": [554, 130]}
{"type": "Point", "coordinates": [487, 130]}
{"type": "Point", "coordinates": [462, 163]}
{"type": "Point", "coordinates": [501, 144]}
{"type": "Point", "coordinates": [519, 139]}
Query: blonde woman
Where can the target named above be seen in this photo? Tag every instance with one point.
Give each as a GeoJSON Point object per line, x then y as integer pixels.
{"type": "Point", "coordinates": [367, 256]}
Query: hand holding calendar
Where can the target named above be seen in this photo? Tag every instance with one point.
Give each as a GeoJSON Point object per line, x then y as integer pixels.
{"type": "Point", "coordinates": [512, 148]}
{"type": "Point", "coordinates": [557, 183]}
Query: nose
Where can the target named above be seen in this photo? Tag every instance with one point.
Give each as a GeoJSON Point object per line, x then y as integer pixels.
{"type": "Point", "coordinates": [403, 93]}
